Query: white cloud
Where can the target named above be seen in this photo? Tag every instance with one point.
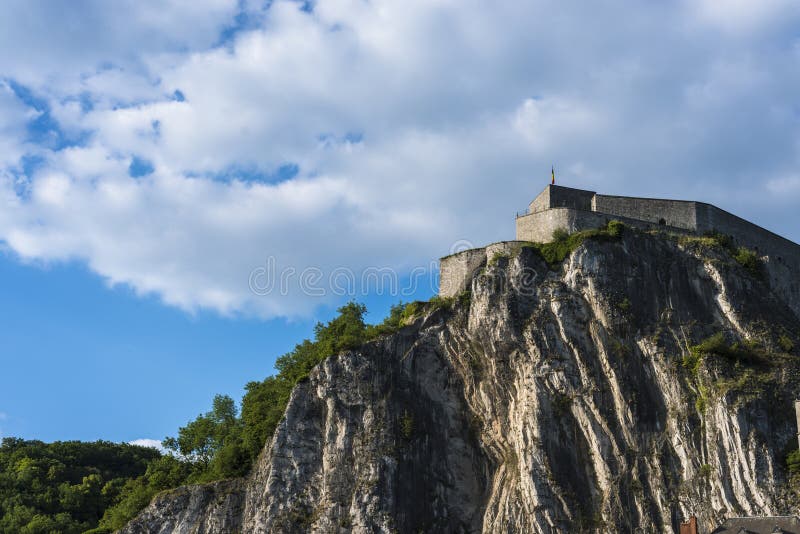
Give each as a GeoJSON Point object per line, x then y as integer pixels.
{"type": "Point", "coordinates": [413, 124]}
{"type": "Point", "coordinates": [543, 122]}
{"type": "Point", "coordinates": [743, 15]}
{"type": "Point", "coordinates": [14, 117]}
{"type": "Point", "coordinates": [786, 185]}
{"type": "Point", "coordinates": [151, 443]}
{"type": "Point", "coordinates": [58, 43]}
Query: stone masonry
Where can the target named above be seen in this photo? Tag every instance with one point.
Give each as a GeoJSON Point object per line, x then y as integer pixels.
{"type": "Point", "coordinates": [574, 210]}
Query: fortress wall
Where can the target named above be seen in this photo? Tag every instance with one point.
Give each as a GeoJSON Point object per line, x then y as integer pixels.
{"type": "Point", "coordinates": [676, 213]}
{"type": "Point", "coordinates": [566, 197]}
{"type": "Point", "coordinates": [456, 270]}
{"type": "Point", "coordinates": [555, 196]}
{"type": "Point", "coordinates": [781, 256]}
{"type": "Point", "coordinates": [713, 219]}
{"type": "Point", "coordinates": [540, 203]}
{"type": "Point", "coordinates": [539, 227]}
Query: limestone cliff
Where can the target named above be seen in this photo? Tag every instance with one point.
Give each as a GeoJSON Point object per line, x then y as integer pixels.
{"type": "Point", "coordinates": [546, 400]}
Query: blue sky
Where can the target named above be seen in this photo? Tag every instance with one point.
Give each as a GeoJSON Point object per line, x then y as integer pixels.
{"type": "Point", "coordinates": [156, 155]}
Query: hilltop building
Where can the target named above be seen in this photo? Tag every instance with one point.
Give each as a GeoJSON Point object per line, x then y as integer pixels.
{"type": "Point", "coordinates": [573, 210]}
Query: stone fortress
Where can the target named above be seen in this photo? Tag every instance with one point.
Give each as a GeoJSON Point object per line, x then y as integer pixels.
{"type": "Point", "coordinates": [559, 207]}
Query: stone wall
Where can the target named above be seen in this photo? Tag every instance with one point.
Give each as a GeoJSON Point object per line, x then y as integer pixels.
{"type": "Point", "coordinates": [541, 202]}
{"type": "Point", "coordinates": [555, 196]}
{"type": "Point", "coordinates": [676, 213]}
{"type": "Point", "coordinates": [456, 270]}
{"type": "Point", "coordinates": [781, 257]}
{"type": "Point", "coordinates": [539, 227]}
{"type": "Point", "coordinates": [576, 209]}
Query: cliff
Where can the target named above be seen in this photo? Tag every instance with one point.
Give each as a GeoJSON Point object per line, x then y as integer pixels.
{"type": "Point", "coordinates": [643, 379]}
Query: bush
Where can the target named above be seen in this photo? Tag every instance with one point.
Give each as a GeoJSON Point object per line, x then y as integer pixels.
{"type": "Point", "coordinates": [407, 425]}
{"type": "Point", "coordinates": [749, 260]}
{"type": "Point", "coordinates": [560, 234]}
{"type": "Point", "coordinates": [785, 343]}
{"type": "Point", "coordinates": [615, 228]}
{"type": "Point", "coordinates": [564, 244]}
{"type": "Point", "coordinates": [793, 462]}
{"type": "Point", "coordinates": [704, 471]}
{"type": "Point", "coordinates": [725, 243]}
{"type": "Point", "coordinates": [165, 473]}
{"type": "Point", "coordinates": [745, 353]}
{"type": "Point", "coordinates": [438, 302]}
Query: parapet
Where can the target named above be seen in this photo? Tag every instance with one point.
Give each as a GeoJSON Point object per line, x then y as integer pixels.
{"type": "Point", "coordinates": [457, 270]}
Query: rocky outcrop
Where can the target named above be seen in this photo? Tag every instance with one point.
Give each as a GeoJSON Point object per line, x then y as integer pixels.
{"type": "Point", "coordinates": [200, 509]}
{"type": "Point", "coordinates": [544, 401]}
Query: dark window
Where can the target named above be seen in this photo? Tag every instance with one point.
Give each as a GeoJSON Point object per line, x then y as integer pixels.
{"type": "Point", "coordinates": [662, 222]}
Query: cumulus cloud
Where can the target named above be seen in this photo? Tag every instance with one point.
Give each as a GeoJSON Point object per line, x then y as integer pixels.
{"type": "Point", "coordinates": [151, 443]}
{"type": "Point", "coordinates": [14, 118]}
{"type": "Point", "coordinates": [349, 133]}
{"type": "Point", "coordinates": [744, 15]}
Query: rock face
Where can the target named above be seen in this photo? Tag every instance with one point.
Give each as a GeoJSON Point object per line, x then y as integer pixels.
{"type": "Point", "coordinates": [544, 401]}
{"type": "Point", "coordinates": [205, 509]}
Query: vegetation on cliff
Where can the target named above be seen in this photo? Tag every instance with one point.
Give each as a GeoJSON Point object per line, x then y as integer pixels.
{"type": "Point", "coordinates": [564, 243]}
{"type": "Point", "coordinates": [224, 443]}
{"type": "Point", "coordinates": [72, 487]}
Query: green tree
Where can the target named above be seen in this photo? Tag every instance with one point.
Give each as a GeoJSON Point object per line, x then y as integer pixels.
{"type": "Point", "coordinates": [202, 438]}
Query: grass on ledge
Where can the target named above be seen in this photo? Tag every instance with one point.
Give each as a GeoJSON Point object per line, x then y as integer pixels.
{"type": "Point", "coordinates": [563, 243]}
{"type": "Point", "coordinates": [725, 244]}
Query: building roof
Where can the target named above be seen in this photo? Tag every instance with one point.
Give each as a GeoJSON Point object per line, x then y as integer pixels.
{"type": "Point", "coordinates": [785, 524]}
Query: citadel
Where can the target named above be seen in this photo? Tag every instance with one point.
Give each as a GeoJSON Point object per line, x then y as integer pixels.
{"type": "Point", "coordinates": [573, 210]}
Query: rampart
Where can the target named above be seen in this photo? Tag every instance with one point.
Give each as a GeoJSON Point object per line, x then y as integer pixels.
{"type": "Point", "coordinates": [457, 270]}
{"type": "Point", "coordinates": [574, 210]}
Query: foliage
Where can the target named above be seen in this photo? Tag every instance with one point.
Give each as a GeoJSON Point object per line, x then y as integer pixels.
{"type": "Point", "coordinates": [705, 471]}
{"type": "Point", "coordinates": [563, 243]}
{"type": "Point", "coordinates": [164, 473]}
{"type": "Point", "coordinates": [749, 260]}
{"type": "Point", "coordinates": [724, 243]}
{"type": "Point", "coordinates": [399, 316]}
{"type": "Point", "coordinates": [223, 443]}
{"type": "Point", "coordinates": [70, 487]}
{"type": "Point", "coordinates": [560, 234]}
{"type": "Point", "coordinates": [793, 462]}
{"type": "Point", "coordinates": [407, 425]}
{"type": "Point", "coordinates": [743, 353]}
{"type": "Point", "coordinates": [785, 343]}
{"type": "Point", "coordinates": [63, 486]}
{"type": "Point", "coordinates": [701, 402]}
{"type": "Point", "coordinates": [213, 442]}
{"type": "Point", "coordinates": [497, 257]}
{"type": "Point", "coordinates": [746, 370]}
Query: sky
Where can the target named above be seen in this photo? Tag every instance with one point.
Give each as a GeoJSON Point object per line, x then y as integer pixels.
{"type": "Point", "coordinates": [188, 186]}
